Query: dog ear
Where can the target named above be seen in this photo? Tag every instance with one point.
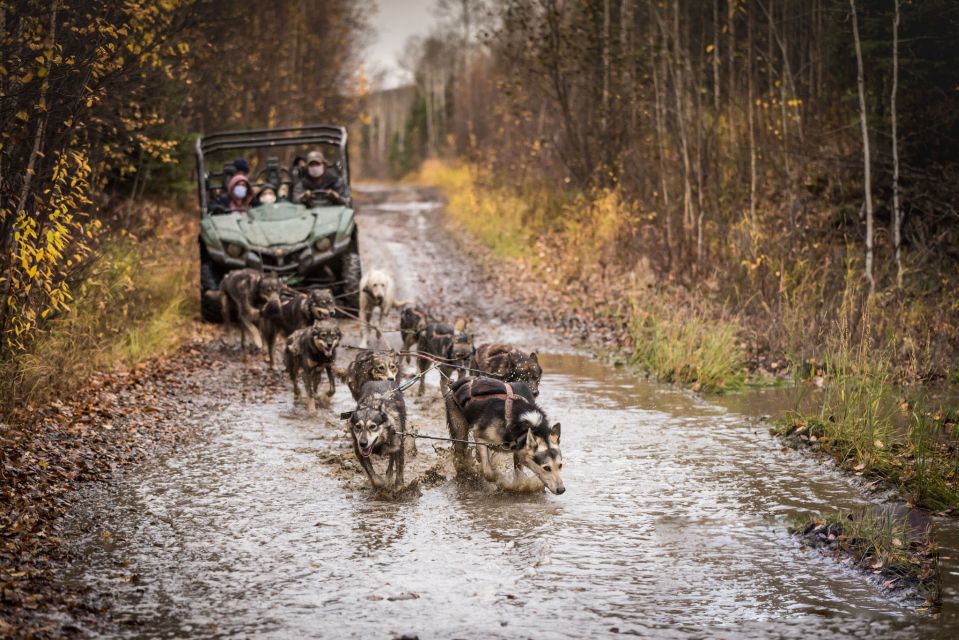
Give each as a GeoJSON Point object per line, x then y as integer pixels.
{"type": "Point", "coordinates": [532, 356]}
{"type": "Point", "coordinates": [529, 439]}
{"type": "Point", "coordinates": [554, 433]}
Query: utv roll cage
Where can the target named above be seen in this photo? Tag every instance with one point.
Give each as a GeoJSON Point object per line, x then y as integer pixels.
{"type": "Point", "coordinates": [265, 138]}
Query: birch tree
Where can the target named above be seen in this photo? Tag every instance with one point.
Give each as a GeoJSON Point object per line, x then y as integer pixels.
{"type": "Point", "coordinates": [867, 173]}
{"type": "Point", "coordinates": [896, 207]}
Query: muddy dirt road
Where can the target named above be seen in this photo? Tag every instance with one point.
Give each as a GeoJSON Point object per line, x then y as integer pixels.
{"type": "Point", "coordinates": [672, 525]}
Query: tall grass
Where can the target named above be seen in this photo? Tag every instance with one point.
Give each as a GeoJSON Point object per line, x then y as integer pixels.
{"type": "Point", "coordinates": [876, 426]}
{"type": "Point", "coordinates": [681, 344]}
{"type": "Point", "coordinates": [135, 302]}
{"type": "Point", "coordinates": [884, 541]}
{"type": "Point", "coordinates": [496, 216]}
{"type": "Point", "coordinates": [575, 239]}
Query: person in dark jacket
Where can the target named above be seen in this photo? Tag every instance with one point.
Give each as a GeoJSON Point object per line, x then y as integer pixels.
{"type": "Point", "coordinates": [319, 183]}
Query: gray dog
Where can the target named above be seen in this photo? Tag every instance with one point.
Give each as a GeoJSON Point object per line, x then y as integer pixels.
{"type": "Point", "coordinates": [284, 316]}
{"type": "Point", "coordinates": [377, 426]}
{"type": "Point", "coordinates": [312, 350]}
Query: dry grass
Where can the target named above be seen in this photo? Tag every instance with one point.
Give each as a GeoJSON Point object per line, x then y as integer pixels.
{"type": "Point", "coordinates": [887, 542]}
{"type": "Point", "coordinates": [687, 345]}
{"type": "Point", "coordinates": [136, 301]}
{"type": "Point", "coordinates": [574, 239]}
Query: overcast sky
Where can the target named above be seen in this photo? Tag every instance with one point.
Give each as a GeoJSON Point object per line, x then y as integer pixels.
{"type": "Point", "coordinates": [394, 22]}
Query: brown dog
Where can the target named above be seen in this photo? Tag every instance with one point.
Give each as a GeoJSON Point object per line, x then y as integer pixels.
{"type": "Point", "coordinates": [369, 366]}
{"type": "Point", "coordinates": [505, 362]}
{"type": "Point", "coordinates": [245, 292]}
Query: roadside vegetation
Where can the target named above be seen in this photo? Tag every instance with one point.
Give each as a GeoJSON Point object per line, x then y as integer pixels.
{"type": "Point", "coordinates": [893, 546]}
{"type": "Point", "coordinates": [100, 103]}
{"type": "Point", "coordinates": [135, 300]}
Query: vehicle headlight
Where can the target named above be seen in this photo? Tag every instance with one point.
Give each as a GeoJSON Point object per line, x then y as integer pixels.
{"type": "Point", "coordinates": [233, 250]}
{"type": "Point", "coordinates": [323, 244]}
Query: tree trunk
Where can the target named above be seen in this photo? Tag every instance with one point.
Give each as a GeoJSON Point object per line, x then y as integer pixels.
{"type": "Point", "coordinates": [867, 177]}
{"type": "Point", "coordinates": [750, 118]}
{"type": "Point", "coordinates": [679, 90]}
{"type": "Point", "coordinates": [896, 208]}
{"type": "Point", "coordinates": [716, 91]}
{"type": "Point", "coordinates": [731, 56]}
{"type": "Point", "coordinates": [659, 111]}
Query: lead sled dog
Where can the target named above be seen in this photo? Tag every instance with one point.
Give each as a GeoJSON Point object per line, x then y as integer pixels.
{"type": "Point", "coordinates": [503, 416]}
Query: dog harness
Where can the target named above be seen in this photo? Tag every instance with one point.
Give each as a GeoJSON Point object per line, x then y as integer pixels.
{"type": "Point", "coordinates": [507, 397]}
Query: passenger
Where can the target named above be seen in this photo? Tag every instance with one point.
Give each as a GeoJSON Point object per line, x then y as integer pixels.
{"type": "Point", "coordinates": [240, 193]}
{"type": "Point", "coordinates": [266, 195]}
{"type": "Point", "coordinates": [298, 168]}
{"type": "Point", "coordinates": [242, 166]}
{"type": "Point", "coordinates": [319, 183]}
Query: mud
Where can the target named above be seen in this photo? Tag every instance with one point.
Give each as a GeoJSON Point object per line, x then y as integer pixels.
{"type": "Point", "coordinates": [673, 524]}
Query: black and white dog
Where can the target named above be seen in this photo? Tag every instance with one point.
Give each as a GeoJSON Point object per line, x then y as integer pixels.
{"type": "Point", "coordinates": [503, 416]}
{"type": "Point", "coordinates": [312, 350]}
{"type": "Point", "coordinates": [377, 426]}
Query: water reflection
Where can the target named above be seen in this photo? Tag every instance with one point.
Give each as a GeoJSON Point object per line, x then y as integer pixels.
{"type": "Point", "coordinates": [672, 527]}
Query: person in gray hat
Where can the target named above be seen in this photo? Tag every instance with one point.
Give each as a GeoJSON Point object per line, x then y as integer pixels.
{"type": "Point", "coordinates": [319, 184]}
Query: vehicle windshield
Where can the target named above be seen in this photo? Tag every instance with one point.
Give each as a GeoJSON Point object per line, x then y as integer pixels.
{"type": "Point", "coordinates": [275, 168]}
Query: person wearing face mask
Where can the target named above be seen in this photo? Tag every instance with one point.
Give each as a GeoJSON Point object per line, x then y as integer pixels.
{"type": "Point", "coordinates": [239, 192]}
{"type": "Point", "coordinates": [319, 183]}
{"type": "Point", "coordinates": [266, 195]}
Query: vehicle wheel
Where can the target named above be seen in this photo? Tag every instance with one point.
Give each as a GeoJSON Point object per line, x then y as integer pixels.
{"type": "Point", "coordinates": [210, 308]}
{"type": "Point", "coordinates": [351, 272]}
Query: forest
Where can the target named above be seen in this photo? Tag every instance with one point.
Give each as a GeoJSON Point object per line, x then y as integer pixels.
{"type": "Point", "coordinates": [786, 159]}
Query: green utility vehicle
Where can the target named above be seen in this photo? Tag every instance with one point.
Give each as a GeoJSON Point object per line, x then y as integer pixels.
{"type": "Point", "coordinates": [308, 247]}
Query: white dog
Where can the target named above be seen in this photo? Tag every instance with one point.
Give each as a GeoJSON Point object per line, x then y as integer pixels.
{"type": "Point", "coordinates": [376, 290]}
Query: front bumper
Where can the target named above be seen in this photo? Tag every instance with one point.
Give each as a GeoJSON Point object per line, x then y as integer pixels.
{"type": "Point", "coordinates": [288, 260]}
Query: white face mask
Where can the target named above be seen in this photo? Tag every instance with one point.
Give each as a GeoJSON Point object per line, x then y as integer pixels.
{"type": "Point", "coordinates": [268, 198]}
{"type": "Point", "coordinates": [239, 191]}
{"type": "Point", "coordinates": [316, 170]}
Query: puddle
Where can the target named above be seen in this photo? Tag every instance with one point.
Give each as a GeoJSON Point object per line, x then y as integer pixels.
{"type": "Point", "coordinates": [672, 525]}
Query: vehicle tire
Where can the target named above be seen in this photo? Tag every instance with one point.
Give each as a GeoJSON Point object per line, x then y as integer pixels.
{"type": "Point", "coordinates": [210, 309]}
{"type": "Point", "coordinates": [351, 272]}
